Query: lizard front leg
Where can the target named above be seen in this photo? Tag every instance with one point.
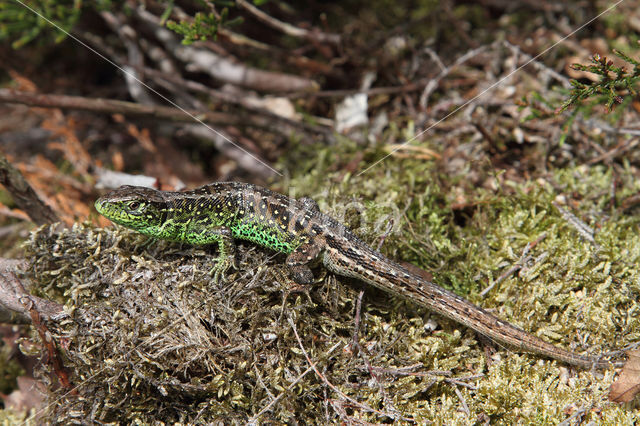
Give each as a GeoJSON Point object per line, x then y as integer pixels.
{"type": "Point", "coordinates": [299, 261]}
{"type": "Point", "coordinates": [220, 235]}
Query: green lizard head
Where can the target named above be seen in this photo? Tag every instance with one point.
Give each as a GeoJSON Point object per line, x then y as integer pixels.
{"type": "Point", "coordinates": [139, 208]}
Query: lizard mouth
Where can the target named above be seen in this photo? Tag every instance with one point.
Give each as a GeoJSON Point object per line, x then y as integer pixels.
{"type": "Point", "coordinates": [105, 209]}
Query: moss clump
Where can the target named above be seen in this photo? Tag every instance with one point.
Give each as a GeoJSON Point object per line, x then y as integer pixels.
{"type": "Point", "coordinates": [152, 338]}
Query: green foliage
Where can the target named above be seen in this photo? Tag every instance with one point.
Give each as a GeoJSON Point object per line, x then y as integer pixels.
{"type": "Point", "coordinates": [202, 26]}
{"type": "Point", "coordinates": [21, 25]}
{"type": "Point", "coordinates": [613, 85]}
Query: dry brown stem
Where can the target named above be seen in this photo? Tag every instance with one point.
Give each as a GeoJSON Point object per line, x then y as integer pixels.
{"type": "Point", "coordinates": [23, 194]}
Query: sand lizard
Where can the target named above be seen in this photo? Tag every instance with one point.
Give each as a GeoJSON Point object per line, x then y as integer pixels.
{"type": "Point", "coordinates": [221, 212]}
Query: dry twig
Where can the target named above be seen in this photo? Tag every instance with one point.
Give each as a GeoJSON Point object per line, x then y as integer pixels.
{"type": "Point", "coordinates": [236, 100]}
{"type": "Point", "coordinates": [517, 266]}
{"type": "Point", "coordinates": [13, 294]}
{"type": "Point", "coordinates": [23, 194]}
{"type": "Point", "coordinates": [313, 35]}
{"type": "Point", "coordinates": [255, 418]}
{"type": "Point", "coordinates": [624, 146]}
{"type": "Point", "coordinates": [583, 229]}
{"type": "Point", "coordinates": [356, 344]}
{"type": "Point", "coordinates": [223, 68]}
{"type": "Point", "coordinates": [111, 106]}
{"type": "Point", "coordinates": [434, 82]}
{"type": "Point", "coordinates": [53, 355]}
{"type": "Point", "coordinates": [465, 407]}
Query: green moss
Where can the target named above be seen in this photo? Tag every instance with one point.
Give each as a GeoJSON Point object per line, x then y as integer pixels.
{"type": "Point", "coordinates": [572, 292]}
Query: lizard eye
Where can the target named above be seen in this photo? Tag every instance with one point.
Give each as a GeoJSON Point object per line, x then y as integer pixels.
{"type": "Point", "coordinates": [134, 205]}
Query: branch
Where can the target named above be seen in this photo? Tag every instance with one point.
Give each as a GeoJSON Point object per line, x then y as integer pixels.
{"type": "Point", "coordinates": [239, 100]}
{"type": "Point", "coordinates": [288, 29]}
{"type": "Point", "coordinates": [339, 93]}
{"type": "Point", "coordinates": [111, 106]}
{"type": "Point", "coordinates": [24, 195]}
{"type": "Point", "coordinates": [221, 68]}
{"type": "Point", "coordinates": [221, 142]}
{"type": "Point", "coordinates": [14, 299]}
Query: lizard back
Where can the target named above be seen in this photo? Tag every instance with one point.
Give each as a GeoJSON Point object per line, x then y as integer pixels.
{"type": "Point", "coordinates": [251, 213]}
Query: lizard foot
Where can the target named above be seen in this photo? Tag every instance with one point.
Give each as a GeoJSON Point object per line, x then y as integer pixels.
{"type": "Point", "coordinates": [223, 264]}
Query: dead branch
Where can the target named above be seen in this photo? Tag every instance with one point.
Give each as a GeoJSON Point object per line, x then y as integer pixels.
{"type": "Point", "coordinates": [387, 90]}
{"type": "Point", "coordinates": [527, 59]}
{"type": "Point", "coordinates": [524, 258]}
{"type": "Point", "coordinates": [49, 345]}
{"type": "Point", "coordinates": [24, 195]}
{"type": "Point", "coordinates": [445, 71]}
{"type": "Point", "coordinates": [128, 36]}
{"type": "Point", "coordinates": [221, 68]}
{"type": "Point", "coordinates": [112, 106]}
{"type": "Point", "coordinates": [388, 402]}
{"type": "Point", "coordinates": [236, 100]}
{"type": "Point", "coordinates": [13, 297]}
{"type": "Point", "coordinates": [240, 156]}
{"type": "Point", "coordinates": [254, 419]}
{"type": "Point", "coordinates": [587, 232]}
{"type": "Point", "coordinates": [624, 146]}
{"type": "Point", "coordinates": [288, 29]}
{"type": "Point", "coordinates": [168, 78]}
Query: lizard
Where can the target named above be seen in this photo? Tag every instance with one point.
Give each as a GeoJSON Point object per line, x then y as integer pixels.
{"type": "Point", "coordinates": [221, 212]}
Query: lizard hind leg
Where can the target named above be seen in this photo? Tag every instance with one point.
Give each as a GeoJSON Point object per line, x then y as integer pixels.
{"type": "Point", "coordinates": [300, 260]}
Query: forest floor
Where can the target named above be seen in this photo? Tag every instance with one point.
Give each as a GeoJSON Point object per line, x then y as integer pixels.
{"type": "Point", "coordinates": [437, 131]}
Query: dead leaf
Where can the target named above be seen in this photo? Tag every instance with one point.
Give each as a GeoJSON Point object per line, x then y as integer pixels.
{"type": "Point", "coordinates": [627, 385]}
{"type": "Point", "coordinates": [22, 82]}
